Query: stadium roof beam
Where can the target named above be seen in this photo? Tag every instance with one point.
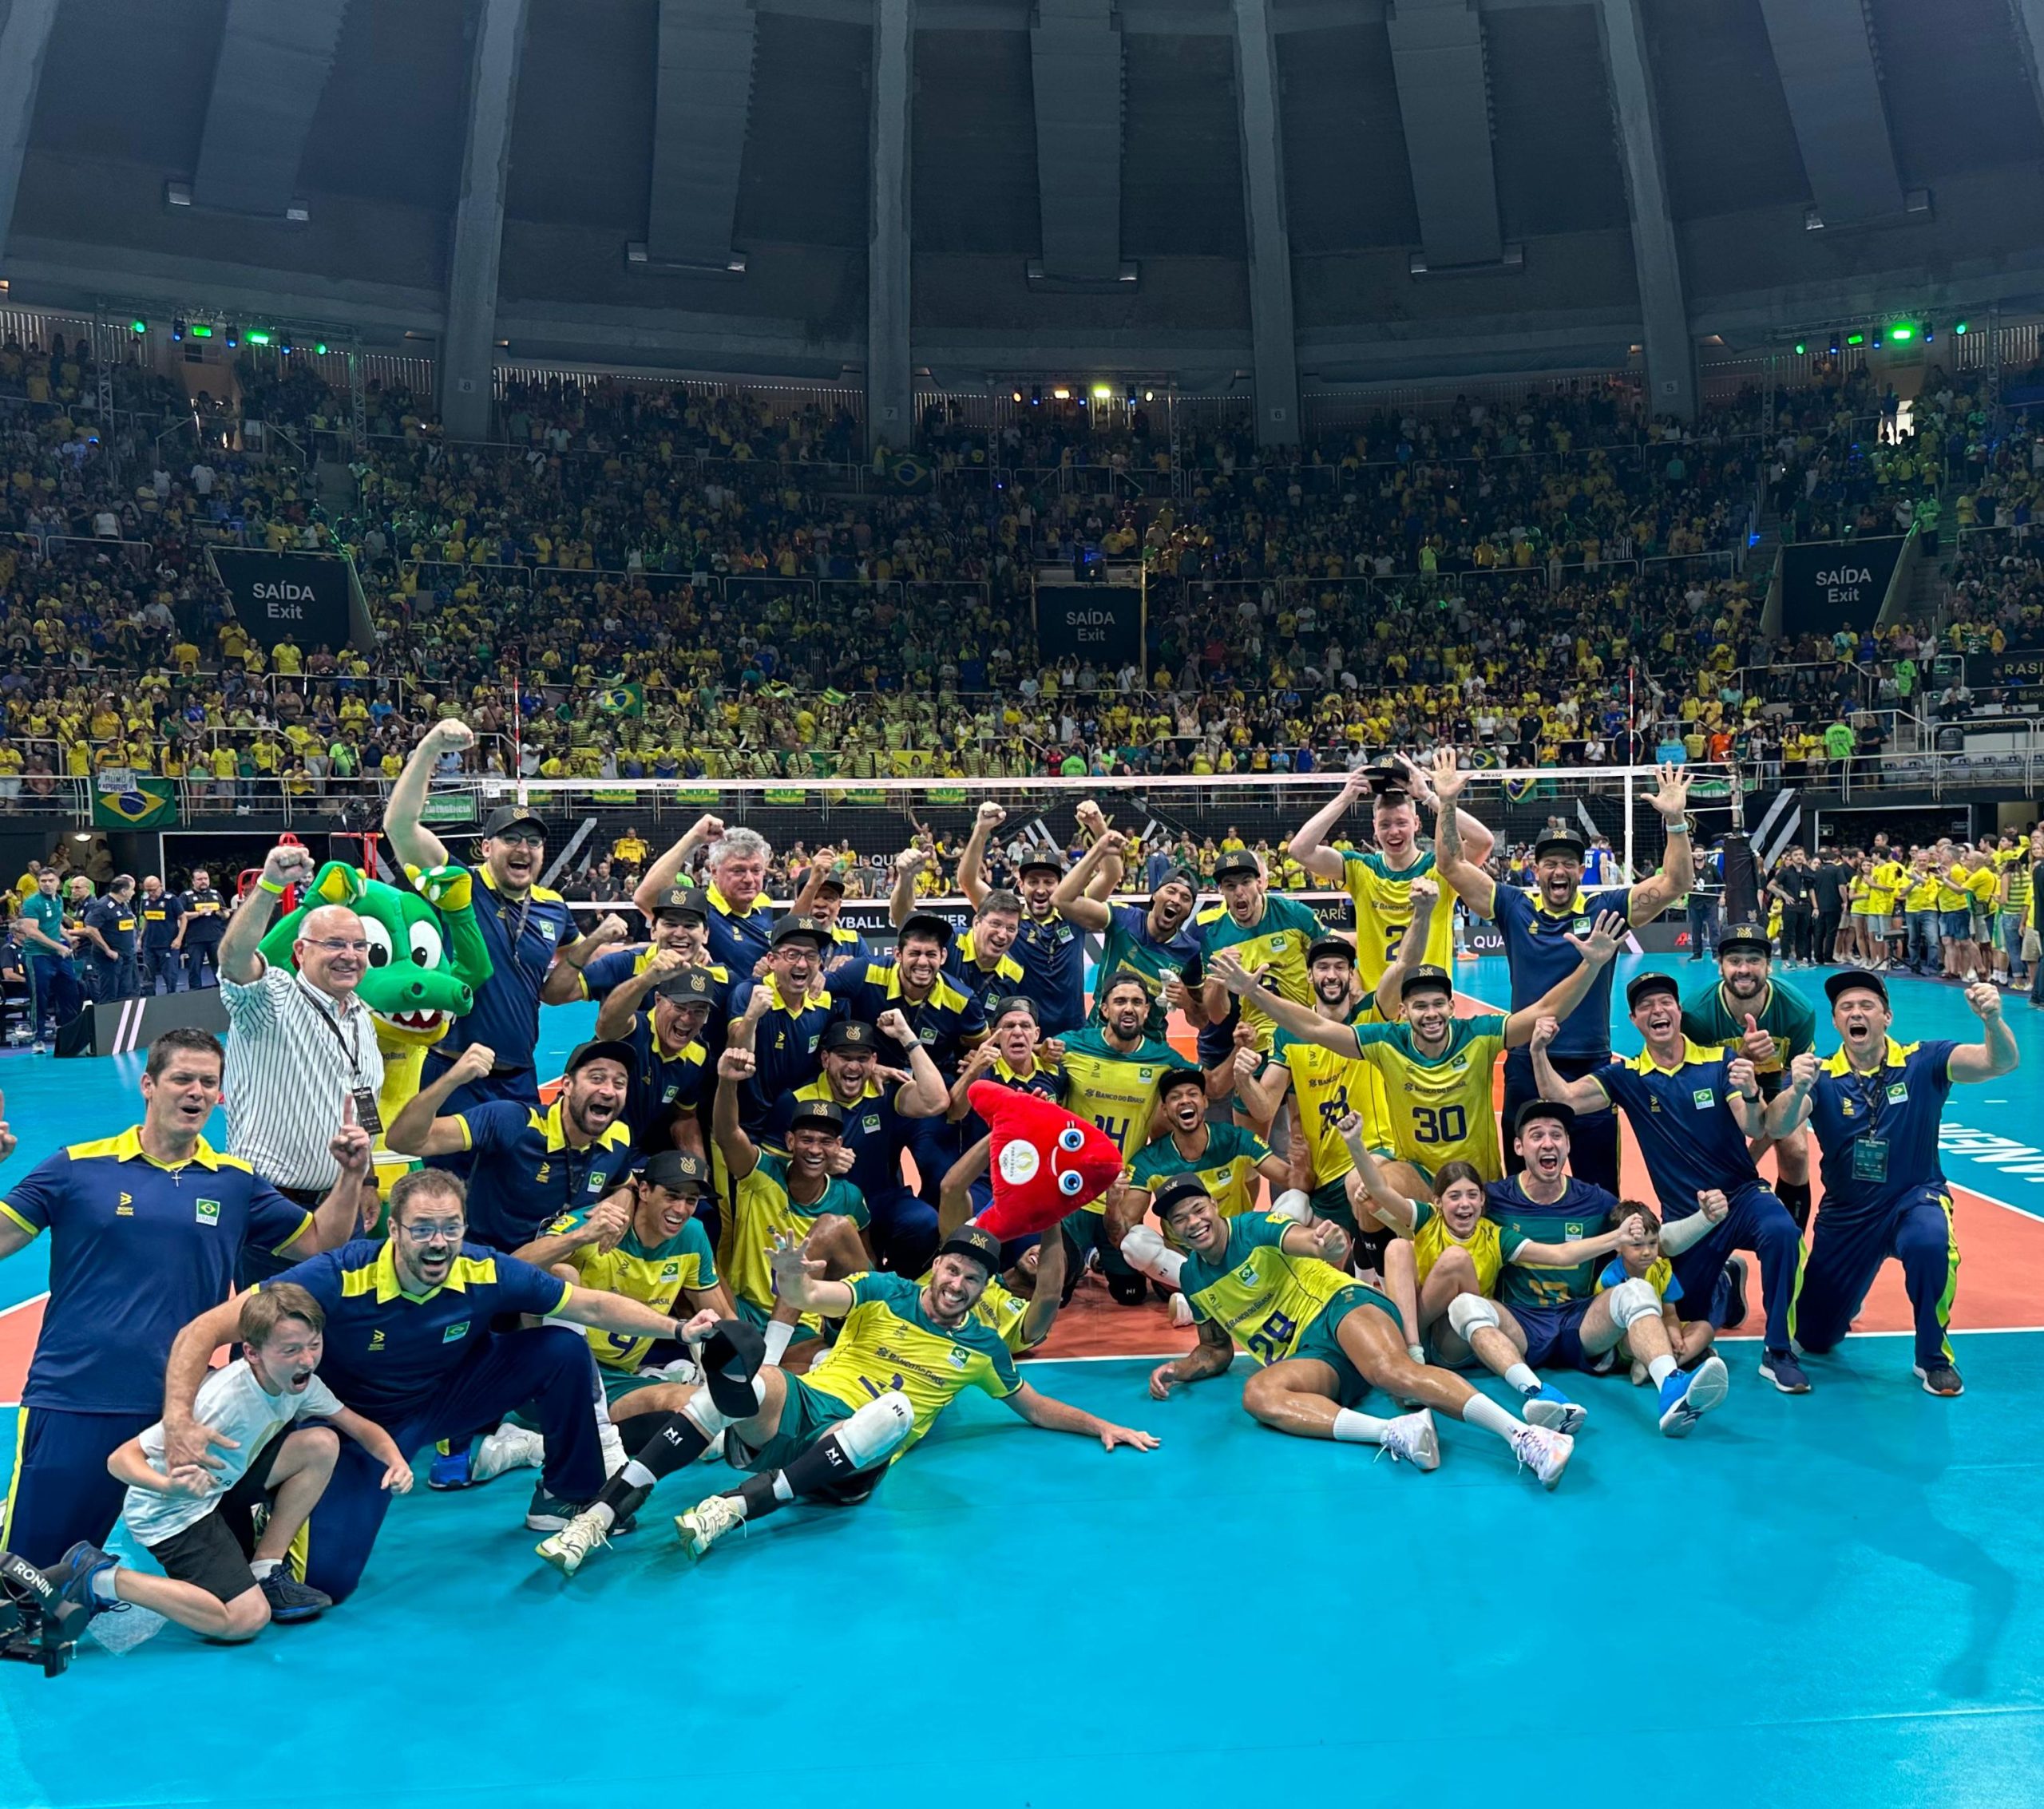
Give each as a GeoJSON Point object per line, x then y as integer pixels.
{"type": "Point", "coordinates": [1657, 260]}
{"type": "Point", "coordinates": [1826, 62]}
{"type": "Point", "coordinates": [1271, 320]}
{"type": "Point", "coordinates": [889, 392]}
{"type": "Point", "coordinates": [1443, 103]}
{"type": "Point", "coordinates": [703, 106]}
{"type": "Point", "coordinates": [2030, 21]}
{"type": "Point", "coordinates": [273, 66]}
{"type": "Point", "coordinates": [468, 346]}
{"type": "Point", "coordinates": [1076, 58]}
{"type": "Point", "coordinates": [23, 39]}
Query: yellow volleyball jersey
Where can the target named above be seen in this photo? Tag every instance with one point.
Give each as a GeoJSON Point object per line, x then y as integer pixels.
{"type": "Point", "coordinates": [1329, 1086]}
{"type": "Point", "coordinates": [887, 1342]}
{"type": "Point", "coordinates": [1383, 897]}
{"type": "Point", "coordinates": [1952, 892]}
{"type": "Point", "coordinates": [1277, 944]}
{"type": "Point", "coordinates": [1260, 1297]}
{"type": "Point", "coordinates": [1431, 1239]}
{"type": "Point", "coordinates": [1922, 891]}
{"type": "Point", "coordinates": [656, 1276]}
{"type": "Point", "coordinates": [1228, 1165]}
{"type": "Point", "coordinates": [1114, 1089]}
{"type": "Point", "coordinates": [1440, 1110]}
{"type": "Point", "coordinates": [762, 1209]}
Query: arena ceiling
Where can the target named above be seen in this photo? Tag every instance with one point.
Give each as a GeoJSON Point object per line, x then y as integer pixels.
{"type": "Point", "coordinates": [1190, 187]}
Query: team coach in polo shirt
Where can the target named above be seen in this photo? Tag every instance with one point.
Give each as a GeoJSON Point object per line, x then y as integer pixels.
{"type": "Point", "coordinates": [301, 1047]}
{"type": "Point", "coordinates": [145, 1229]}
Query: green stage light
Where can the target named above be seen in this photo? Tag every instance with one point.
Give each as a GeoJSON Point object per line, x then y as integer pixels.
{"type": "Point", "coordinates": [1901, 332]}
{"type": "Point", "coordinates": [258, 337]}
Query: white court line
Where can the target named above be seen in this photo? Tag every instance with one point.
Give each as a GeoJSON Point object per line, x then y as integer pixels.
{"type": "Point", "coordinates": [19, 1304]}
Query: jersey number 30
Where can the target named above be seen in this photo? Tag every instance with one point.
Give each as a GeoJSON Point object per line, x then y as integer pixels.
{"type": "Point", "coordinates": [1447, 1124]}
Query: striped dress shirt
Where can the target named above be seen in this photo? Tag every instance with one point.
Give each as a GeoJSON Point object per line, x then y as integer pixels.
{"type": "Point", "coordinates": [293, 1058]}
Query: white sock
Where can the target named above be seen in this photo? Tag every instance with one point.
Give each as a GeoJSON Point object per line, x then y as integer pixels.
{"type": "Point", "coordinates": [638, 1475]}
{"type": "Point", "coordinates": [1354, 1428]}
{"type": "Point", "coordinates": [1660, 1367]}
{"type": "Point", "coordinates": [103, 1582]}
{"type": "Point", "coordinates": [779, 1335]}
{"type": "Point", "coordinates": [258, 1568]}
{"type": "Point", "coordinates": [1522, 1379]}
{"type": "Point", "coordinates": [1480, 1410]}
{"type": "Point", "coordinates": [782, 1491]}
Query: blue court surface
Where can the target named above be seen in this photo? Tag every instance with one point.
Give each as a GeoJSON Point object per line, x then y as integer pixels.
{"type": "Point", "coordinates": [1828, 1600]}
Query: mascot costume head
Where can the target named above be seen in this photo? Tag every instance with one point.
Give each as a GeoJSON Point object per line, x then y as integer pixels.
{"type": "Point", "coordinates": [426, 961]}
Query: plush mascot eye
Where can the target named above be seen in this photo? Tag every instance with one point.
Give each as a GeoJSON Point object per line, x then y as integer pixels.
{"type": "Point", "coordinates": [425, 942]}
{"type": "Point", "coordinates": [1073, 1140]}
{"type": "Point", "coordinates": [1071, 1181]}
{"type": "Point", "coordinates": [379, 939]}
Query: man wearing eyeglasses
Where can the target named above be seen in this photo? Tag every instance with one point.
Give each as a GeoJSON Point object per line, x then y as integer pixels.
{"type": "Point", "coordinates": [301, 1048]}
{"type": "Point", "coordinates": [413, 1326]}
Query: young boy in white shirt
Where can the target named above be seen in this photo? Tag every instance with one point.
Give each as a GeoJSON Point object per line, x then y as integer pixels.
{"type": "Point", "coordinates": [220, 1579]}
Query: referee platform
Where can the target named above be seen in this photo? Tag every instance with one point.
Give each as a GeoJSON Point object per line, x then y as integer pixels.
{"type": "Point", "coordinates": [1829, 1599]}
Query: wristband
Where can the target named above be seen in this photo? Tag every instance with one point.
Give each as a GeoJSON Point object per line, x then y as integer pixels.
{"type": "Point", "coordinates": [271, 887]}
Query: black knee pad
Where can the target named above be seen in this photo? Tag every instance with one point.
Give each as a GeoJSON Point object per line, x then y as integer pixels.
{"type": "Point", "coordinates": [1128, 1290]}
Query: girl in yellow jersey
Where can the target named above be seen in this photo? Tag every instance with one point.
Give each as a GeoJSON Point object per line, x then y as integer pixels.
{"type": "Point", "coordinates": [1449, 1250]}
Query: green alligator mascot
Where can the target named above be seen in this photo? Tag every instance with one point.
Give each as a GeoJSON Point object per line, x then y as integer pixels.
{"type": "Point", "coordinates": [426, 961]}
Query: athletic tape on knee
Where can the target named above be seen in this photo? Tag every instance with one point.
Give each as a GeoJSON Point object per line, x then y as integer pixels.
{"type": "Point", "coordinates": [1144, 1251]}
{"type": "Point", "coordinates": [1468, 1314]}
{"type": "Point", "coordinates": [1634, 1298]}
{"type": "Point", "coordinates": [1293, 1203]}
{"type": "Point", "coordinates": [876, 1429]}
{"type": "Point", "coordinates": [706, 1414]}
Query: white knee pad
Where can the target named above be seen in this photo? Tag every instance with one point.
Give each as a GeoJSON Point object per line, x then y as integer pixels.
{"type": "Point", "coordinates": [1293, 1203]}
{"type": "Point", "coordinates": [712, 1418]}
{"type": "Point", "coordinates": [876, 1429]}
{"type": "Point", "coordinates": [1634, 1298]}
{"type": "Point", "coordinates": [1469, 1313]}
{"type": "Point", "coordinates": [1145, 1251]}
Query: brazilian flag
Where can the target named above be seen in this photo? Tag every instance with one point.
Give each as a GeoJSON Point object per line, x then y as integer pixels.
{"type": "Point", "coordinates": [143, 804]}
{"type": "Point", "coordinates": [623, 700]}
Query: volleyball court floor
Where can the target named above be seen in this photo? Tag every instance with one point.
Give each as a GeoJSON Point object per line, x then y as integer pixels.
{"type": "Point", "coordinates": [1833, 1599]}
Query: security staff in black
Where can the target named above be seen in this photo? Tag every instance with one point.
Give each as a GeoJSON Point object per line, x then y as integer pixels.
{"type": "Point", "coordinates": [108, 944]}
{"type": "Point", "coordinates": [201, 925]}
{"type": "Point", "coordinates": [159, 911]}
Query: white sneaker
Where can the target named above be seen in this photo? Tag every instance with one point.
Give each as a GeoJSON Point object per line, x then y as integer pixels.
{"type": "Point", "coordinates": [509, 1447]}
{"type": "Point", "coordinates": [706, 1522]}
{"type": "Point", "coordinates": [1180, 1310]}
{"type": "Point", "coordinates": [565, 1550]}
{"type": "Point", "coordinates": [1547, 1452]}
{"type": "Point", "coordinates": [1412, 1436]}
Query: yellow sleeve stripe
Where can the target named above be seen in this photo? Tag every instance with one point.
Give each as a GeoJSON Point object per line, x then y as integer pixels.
{"type": "Point", "coordinates": [462, 1124]}
{"type": "Point", "coordinates": [305, 1225]}
{"type": "Point", "coordinates": [33, 1230]}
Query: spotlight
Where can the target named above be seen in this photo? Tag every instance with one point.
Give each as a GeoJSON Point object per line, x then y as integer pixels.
{"type": "Point", "coordinates": [1036, 395]}
{"type": "Point", "coordinates": [1958, 326]}
{"type": "Point", "coordinates": [138, 326]}
{"type": "Point", "coordinates": [1102, 391]}
{"type": "Point", "coordinates": [1061, 394]}
{"type": "Point", "coordinates": [177, 329]}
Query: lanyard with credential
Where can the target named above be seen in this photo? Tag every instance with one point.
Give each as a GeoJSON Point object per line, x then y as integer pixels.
{"type": "Point", "coordinates": [350, 1044]}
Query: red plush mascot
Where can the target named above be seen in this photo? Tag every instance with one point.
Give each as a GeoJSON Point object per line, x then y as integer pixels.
{"type": "Point", "coordinates": [1044, 1163]}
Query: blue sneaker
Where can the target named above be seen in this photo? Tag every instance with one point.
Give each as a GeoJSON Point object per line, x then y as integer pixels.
{"type": "Point", "coordinates": [1781, 1368]}
{"type": "Point", "coordinates": [290, 1600]}
{"type": "Point", "coordinates": [1554, 1410]}
{"type": "Point", "coordinates": [450, 1469]}
{"type": "Point", "coordinates": [72, 1576]}
{"type": "Point", "coordinates": [1728, 1298]}
{"type": "Point", "coordinates": [1687, 1394]}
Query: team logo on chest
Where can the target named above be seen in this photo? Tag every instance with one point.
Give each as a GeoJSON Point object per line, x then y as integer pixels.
{"type": "Point", "coordinates": [453, 1333]}
{"type": "Point", "coordinates": [208, 1211]}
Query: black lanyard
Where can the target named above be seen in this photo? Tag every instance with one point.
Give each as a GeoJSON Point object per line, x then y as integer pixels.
{"type": "Point", "coordinates": [350, 1044]}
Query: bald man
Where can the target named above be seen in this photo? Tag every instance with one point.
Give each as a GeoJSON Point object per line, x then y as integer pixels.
{"type": "Point", "coordinates": [301, 1054]}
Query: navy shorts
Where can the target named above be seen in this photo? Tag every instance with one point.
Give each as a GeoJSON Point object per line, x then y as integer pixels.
{"type": "Point", "coordinates": [1554, 1338]}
